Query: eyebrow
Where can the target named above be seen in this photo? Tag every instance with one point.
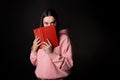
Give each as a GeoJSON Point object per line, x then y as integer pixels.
{"type": "Point", "coordinates": [50, 22]}
{"type": "Point", "coordinates": [53, 22]}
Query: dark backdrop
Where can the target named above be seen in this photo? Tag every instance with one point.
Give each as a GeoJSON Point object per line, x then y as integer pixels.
{"type": "Point", "coordinates": [95, 39]}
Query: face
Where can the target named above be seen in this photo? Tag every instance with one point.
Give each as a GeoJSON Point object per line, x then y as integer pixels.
{"type": "Point", "coordinates": [49, 20]}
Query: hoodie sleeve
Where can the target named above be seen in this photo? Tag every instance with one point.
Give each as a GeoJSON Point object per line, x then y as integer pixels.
{"type": "Point", "coordinates": [33, 58]}
{"type": "Point", "coordinates": [63, 59]}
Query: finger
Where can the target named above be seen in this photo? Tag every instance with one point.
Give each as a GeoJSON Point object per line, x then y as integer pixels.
{"type": "Point", "coordinates": [37, 41]}
{"type": "Point", "coordinates": [39, 44]}
{"type": "Point", "coordinates": [49, 42]}
{"type": "Point", "coordinates": [44, 47]}
{"type": "Point", "coordinates": [45, 43]}
{"type": "Point", "coordinates": [36, 37]}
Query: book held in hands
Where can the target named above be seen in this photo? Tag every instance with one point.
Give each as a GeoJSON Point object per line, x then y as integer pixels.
{"type": "Point", "coordinates": [47, 32]}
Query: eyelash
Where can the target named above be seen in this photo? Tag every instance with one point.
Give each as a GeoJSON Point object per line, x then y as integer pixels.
{"type": "Point", "coordinates": [51, 23]}
{"type": "Point", "coordinates": [46, 23]}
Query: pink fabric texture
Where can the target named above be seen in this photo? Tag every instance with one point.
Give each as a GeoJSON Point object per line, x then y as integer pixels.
{"type": "Point", "coordinates": [59, 64]}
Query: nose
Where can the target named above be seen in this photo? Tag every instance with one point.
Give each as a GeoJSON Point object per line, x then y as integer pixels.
{"type": "Point", "coordinates": [49, 24]}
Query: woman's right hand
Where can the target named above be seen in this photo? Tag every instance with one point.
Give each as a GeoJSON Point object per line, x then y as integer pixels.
{"type": "Point", "coordinates": [36, 44]}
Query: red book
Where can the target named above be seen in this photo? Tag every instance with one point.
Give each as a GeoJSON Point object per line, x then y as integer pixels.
{"type": "Point", "coordinates": [48, 32]}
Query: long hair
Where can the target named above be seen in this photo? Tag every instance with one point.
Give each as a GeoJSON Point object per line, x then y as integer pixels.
{"type": "Point", "coordinates": [50, 12]}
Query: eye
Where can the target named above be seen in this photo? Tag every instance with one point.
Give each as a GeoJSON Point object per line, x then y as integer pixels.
{"type": "Point", "coordinates": [53, 22]}
{"type": "Point", "coordinates": [46, 23]}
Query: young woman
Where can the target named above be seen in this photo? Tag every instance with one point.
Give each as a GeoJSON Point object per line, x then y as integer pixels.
{"type": "Point", "coordinates": [52, 63]}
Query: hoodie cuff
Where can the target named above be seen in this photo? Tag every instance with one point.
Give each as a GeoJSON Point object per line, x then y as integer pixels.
{"type": "Point", "coordinates": [33, 54]}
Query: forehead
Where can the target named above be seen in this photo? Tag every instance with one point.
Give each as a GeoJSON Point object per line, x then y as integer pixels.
{"type": "Point", "coordinates": [48, 19]}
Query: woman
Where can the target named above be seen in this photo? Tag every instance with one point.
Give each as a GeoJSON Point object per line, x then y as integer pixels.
{"type": "Point", "coordinates": [52, 63]}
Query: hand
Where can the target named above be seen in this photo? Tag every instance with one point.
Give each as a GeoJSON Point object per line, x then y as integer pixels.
{"type": "Point", "coordinates": [36, 44]}
{"type": "Point", "coordinates": [47, 47]}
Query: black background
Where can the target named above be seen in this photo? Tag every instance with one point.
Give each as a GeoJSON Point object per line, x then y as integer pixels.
{"type": "Point", "coordinates": [93, 32]}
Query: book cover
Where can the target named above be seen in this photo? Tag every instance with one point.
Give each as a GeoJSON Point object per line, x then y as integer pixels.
{"type": "Point", "coordinates": [48, 32]}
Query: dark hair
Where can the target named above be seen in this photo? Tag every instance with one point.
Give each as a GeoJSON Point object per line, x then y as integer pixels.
{"type": "Point", "coordinates": [49, 12]}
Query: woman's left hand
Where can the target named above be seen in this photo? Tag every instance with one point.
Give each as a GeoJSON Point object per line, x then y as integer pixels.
{"type": "Point", "coordinates": [47, 47]}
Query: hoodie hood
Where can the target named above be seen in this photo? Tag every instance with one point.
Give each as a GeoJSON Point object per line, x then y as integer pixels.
{"type": "Point", "coordinates": [63, 31]}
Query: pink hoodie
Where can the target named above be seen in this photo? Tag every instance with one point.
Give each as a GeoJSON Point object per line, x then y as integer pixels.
{"type": "Point", "coordinates": [58, 65]}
